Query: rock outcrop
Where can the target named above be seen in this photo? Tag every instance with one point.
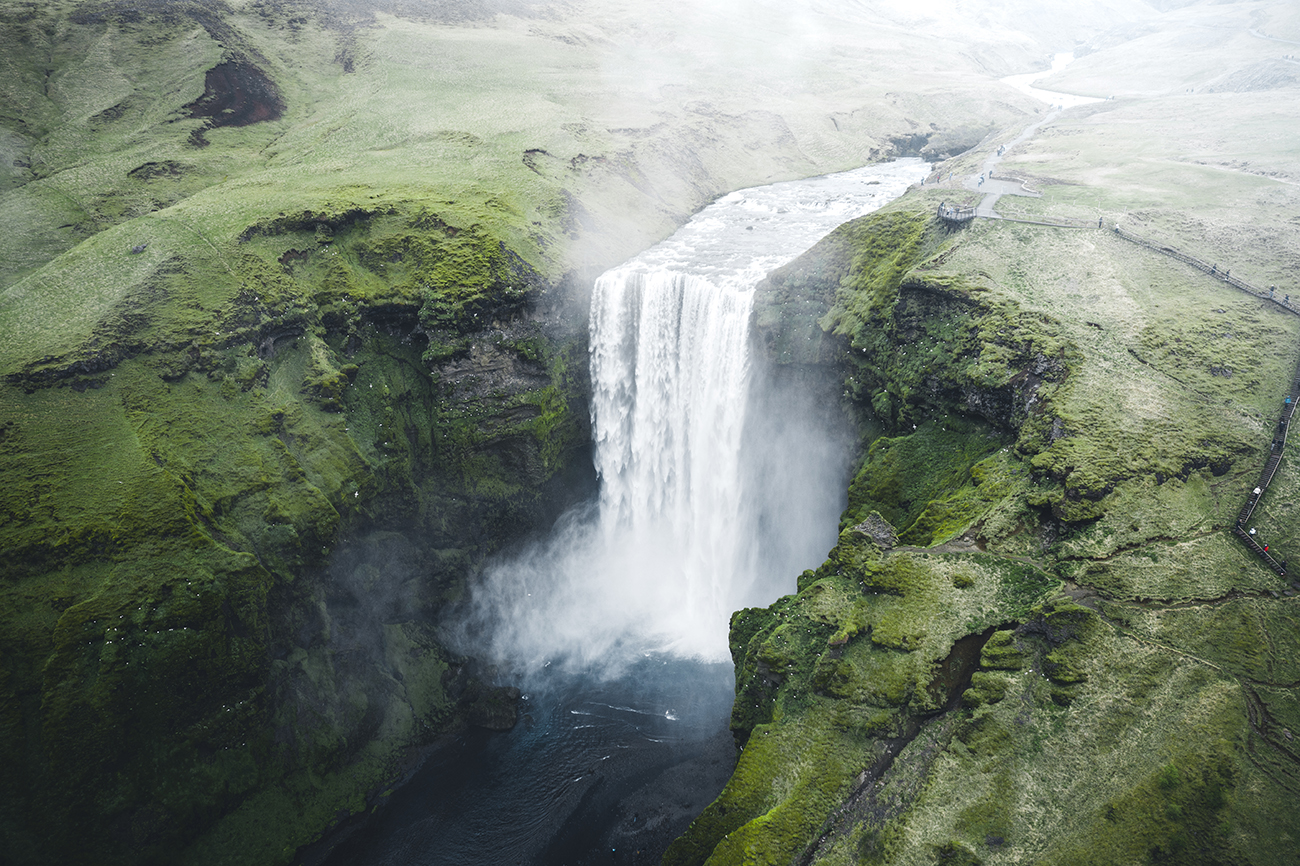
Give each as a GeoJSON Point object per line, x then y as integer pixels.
{"type": "Point", "coordinates": [1042, 669]}
{"type": "Point", "coordinates": [226, 547]}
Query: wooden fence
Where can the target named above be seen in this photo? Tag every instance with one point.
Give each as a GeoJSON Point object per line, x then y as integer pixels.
{"type": "Point", "coordinates": [1241, 530]}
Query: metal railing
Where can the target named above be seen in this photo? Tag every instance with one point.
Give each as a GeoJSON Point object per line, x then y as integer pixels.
{"type": "Point", "coordinates": [953, 214]}
{"type": "Point", "coordinates": [1213, 270]}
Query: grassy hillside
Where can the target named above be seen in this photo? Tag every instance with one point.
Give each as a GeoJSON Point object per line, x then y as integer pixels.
{"type": "Point", "coordinates": [292, 336]}
{"type": "Point", "coordinates": [1037, 639]}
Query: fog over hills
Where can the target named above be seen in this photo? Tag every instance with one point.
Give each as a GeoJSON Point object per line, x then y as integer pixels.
{"type": "Point", "coordinates": [293, 341]}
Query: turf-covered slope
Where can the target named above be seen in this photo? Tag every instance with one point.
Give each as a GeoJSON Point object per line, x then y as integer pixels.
{"type": "Point", "coordinates": [603, 123]}
{"type": "Point", "coordinates": [290, 339]}
{"type": "Point", "coordinates": [1036, 639]}
{"type": "Point", "coordinates": [224, 546]}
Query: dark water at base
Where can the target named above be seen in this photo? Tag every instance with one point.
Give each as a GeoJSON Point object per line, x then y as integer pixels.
{"type": "Point", "coordinates": [594, 773]}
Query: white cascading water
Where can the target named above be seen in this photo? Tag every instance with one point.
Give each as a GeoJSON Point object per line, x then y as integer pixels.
{"type": "Point", "coordinates": [678, 539]}
{"type": "Point", "coordinates": [670, 375]}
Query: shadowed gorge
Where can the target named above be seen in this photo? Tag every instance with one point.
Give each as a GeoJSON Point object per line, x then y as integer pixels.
{"type": "Point", "coordinates": [368, 461]}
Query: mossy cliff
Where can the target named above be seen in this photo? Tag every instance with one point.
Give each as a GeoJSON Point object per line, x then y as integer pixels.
{"type": "Point", "coordinates": [1035, 640]}
{"type": "Point", "coordinates": [256, 429]}
{"type": "Point", "coordinates": [292, 338]}
{"type": "Point", "coordinates": [226, 543]}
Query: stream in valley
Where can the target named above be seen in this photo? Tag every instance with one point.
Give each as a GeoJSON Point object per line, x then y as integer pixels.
{"type": "Point", "coordinates": [615, 627]}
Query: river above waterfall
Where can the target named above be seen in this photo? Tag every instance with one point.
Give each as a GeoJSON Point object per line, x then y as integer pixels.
{"type": "Point", "coordinates": [743, 235]}
{"type": "Point", "coordinates": [1025, 84]}
{"type": "Point", "coordinates": [718, 488]}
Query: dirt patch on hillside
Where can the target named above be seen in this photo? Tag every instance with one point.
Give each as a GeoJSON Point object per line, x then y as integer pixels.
{"type": "Point", "coordinates": [237, 93]}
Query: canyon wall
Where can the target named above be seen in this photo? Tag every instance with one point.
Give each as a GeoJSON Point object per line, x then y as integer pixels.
{"type": "Point", "coordinates": [1036, 639]}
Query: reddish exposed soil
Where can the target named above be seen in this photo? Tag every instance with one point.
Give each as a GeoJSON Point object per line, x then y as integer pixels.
{"type": "Point", "coordinates": [237, 93]}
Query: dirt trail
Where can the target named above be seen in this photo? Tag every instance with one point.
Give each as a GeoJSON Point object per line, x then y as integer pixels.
{"type": "Point", "coordinates": [994, 188]}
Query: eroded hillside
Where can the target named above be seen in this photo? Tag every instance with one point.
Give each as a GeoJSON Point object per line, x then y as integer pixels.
{"type": "Point", "coordinates": [1036, 638]}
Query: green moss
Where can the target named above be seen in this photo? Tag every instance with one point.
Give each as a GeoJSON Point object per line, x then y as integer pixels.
{"type": "Point", "coordinates": [934, 342]}
{"type": "Point", "coordinates": [1177, 814]}
{"type": "Point", "coordinates": [1022, 587]}
{"type": "Point", "coordinates": [189, 515]}
{"type": "Point", "coordinates": [1002, 653]}
{"type": "Point", "coordinates": [827, 677]}
{"type": "Point", "coordinates": [986, 688]}
{"type": "Point", "coordinates": [957, 854]}
{"type": "Point", "coordinates": [785, 781]}
{"type": "Point", "coordinates": [881, 250]}
{"type": "Point", "coordinates": [900, 479]}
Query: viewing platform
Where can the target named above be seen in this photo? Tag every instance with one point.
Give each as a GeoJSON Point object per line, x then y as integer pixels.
{"type": "Point", "coordinates": [955, 215]}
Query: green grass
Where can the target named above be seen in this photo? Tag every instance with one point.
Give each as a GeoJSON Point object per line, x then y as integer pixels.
{"type": "Point", "coordinates": [825, 676]}
{"type": "Point", "coordinates": [513, 129]}
{"type": "Point", "coordinates": [186, 432]}
{"type": "Point", "coordinates": [932, 484]}
{"type": "Point", "coordinates": [1117, 730]}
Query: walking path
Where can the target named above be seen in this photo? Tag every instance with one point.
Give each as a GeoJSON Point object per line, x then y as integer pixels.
{"type": "Point", "coordinates": [994, 188]}
{"type": "Point", "coordinates": [1248, 535]}
{"type": "Point", "coordinates": [1283, 303]}
{"type": "Point", "coordinates": [1260, 35]}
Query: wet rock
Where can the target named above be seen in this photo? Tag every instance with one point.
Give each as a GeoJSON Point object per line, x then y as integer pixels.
{"type": "Point", "coordinates": [496, 709]}
{"type": "Point", "coordinates": [879, 530]}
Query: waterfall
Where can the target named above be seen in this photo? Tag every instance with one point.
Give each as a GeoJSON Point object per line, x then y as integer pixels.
{"type": "Point", "coordinates": [670, 380]}
{"type": "Point", "coordinates": [706, 505]}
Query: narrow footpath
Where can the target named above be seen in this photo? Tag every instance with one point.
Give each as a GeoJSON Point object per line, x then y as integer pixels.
{"type": "Point", "coordinates": [993, 188]}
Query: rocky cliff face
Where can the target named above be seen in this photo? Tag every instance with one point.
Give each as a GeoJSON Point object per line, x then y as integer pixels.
{"type": "Point", "coordinates": [998, 662]}
{"type": "Point", "coordinates": [225, 548]}
{"type": "Point", "coordinates": [293, 337]}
